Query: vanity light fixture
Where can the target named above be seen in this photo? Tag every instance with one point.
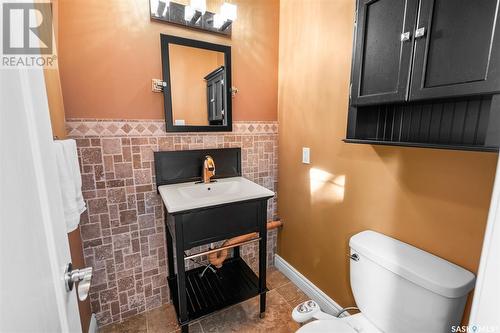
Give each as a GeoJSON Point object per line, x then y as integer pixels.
{"type": "Point", "coordinates": [195, 15]}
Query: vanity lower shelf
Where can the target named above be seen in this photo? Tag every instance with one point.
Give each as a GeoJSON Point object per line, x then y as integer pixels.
{"type": "Point", "coordinates": [233, 283]}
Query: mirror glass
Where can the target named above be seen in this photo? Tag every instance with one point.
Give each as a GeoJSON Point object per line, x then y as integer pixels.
{"type": "Point", "coordinates": [197, 86]}
{"type": "Point", "coordinates": [198, 81]}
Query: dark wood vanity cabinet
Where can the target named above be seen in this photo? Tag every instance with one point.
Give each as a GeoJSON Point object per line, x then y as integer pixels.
{"type": "Point", "coordinates": [424, 49]}
{"type": "Point", "coordinates": [197, 292]}
{"type": "Point", "coordinates": [426, 73]}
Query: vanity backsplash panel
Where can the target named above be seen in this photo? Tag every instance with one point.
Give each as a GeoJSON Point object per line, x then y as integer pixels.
{"type": "Point", "coordinates": [123, 227]}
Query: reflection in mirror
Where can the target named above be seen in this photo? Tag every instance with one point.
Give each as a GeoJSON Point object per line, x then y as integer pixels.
{"type": "Point", "coordinates": [197, 78]}
{"type": "Point", "coordinates": [197, 86]}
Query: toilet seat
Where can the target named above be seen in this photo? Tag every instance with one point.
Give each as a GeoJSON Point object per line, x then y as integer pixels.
{"type": "Point", "coordinates": [327, 326]}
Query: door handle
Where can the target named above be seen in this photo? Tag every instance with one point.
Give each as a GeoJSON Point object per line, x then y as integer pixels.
{"type": "Point", "coordinates": [420, 32]}
{"type": "Point", "coordinates": [80, 276]}
{"type": "Point", "coordinates": [405, 36]}
{"type": "Point", "coordinates": [354, 256]}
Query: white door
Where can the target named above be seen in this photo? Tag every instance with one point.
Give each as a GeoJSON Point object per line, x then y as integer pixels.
{"type": "Point", "coordinates": [485, 313]}
{"type": "Point", "coordinates": [34, 247]}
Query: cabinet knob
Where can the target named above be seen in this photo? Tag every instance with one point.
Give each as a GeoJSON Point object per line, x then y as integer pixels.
{"type": "Point", "coordinates": [420, 32]}
{"type": "Point", "coordinates": [405, 36]}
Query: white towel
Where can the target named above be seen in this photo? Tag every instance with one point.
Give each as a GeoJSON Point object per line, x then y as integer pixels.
{"type": "Point", "coordinates": [71, 182]}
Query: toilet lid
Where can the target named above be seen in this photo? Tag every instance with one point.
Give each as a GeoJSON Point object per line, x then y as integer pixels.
{"type": "Point", "coordinates": [327, 326]}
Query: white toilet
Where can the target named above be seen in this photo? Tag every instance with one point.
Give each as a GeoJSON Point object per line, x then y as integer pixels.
{"type": "Point", "coordinates": [398, 288]}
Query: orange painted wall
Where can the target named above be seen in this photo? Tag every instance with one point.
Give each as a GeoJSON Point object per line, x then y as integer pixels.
{"type": "Point", "coordinates": [53, 85]}
{"type": "Point", "coordinates": [188, 68]}
{"type": "Point", "coordinates": [110, 51]}
{"type": "Point", "coordinates": [55, 100]}
{"type": "Point", "coordinates": [57, 120]}
{"type": "Point", "coordinates": [436, 200]}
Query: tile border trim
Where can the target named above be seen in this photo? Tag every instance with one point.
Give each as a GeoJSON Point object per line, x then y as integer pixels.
{"type": "Point", "coordinates": [153, 127]}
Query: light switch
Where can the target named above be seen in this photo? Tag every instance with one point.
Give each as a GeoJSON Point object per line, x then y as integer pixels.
{"type": "Point", "coordinates": [306, 155]}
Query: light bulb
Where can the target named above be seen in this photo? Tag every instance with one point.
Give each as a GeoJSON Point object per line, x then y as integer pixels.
{"type": "Point", "coordinates": [199, 5]}
{"type": "Point", "coordinates": [188, 13]}
{"type": "Point", "coordinates": [167, 3]}
{"type": "Point", "coordinates": [218, 21]}
{"type": "Point", "coordinates": [229, 11]}
{"type": "Point", "coordinates": [154, 6]}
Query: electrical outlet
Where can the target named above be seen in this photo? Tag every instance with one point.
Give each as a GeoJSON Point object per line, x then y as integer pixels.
{"type": "Point", "coordinates": [306, 155]}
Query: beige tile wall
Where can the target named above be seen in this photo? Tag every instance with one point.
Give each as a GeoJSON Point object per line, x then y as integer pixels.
{"type": "Point", "coordinates": [122, 230]}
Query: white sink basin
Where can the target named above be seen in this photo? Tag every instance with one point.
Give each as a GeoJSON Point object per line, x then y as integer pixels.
{"type": "Point", "coordinates": [187, 196]}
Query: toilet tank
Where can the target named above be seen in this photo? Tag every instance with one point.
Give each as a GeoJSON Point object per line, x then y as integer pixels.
{"type": "Point", "coordinates": [400, 288]}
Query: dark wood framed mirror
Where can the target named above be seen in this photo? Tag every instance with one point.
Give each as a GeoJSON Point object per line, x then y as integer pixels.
{"type": "Point", "coordinates": [197, 96]}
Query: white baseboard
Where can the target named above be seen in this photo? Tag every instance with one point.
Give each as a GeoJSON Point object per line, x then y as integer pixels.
{"type": "Point", "coordinates": [326, 304]}
{"type": "Point", "coordinates": [93, 324]}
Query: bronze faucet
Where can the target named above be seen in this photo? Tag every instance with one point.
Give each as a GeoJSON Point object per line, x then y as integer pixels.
{"type": "Point", "coordinates": [208, 169]}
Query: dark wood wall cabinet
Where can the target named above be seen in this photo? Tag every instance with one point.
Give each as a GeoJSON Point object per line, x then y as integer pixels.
{"type": "Point", "coordinates": [216, 96]}
{"type": "Point", "coordinates": [426, 73]}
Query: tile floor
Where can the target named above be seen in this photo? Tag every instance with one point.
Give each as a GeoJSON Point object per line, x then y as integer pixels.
{"type": "Point", "coordinates": [283, 295]}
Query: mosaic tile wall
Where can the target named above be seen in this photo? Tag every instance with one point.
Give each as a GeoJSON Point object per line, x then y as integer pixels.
{"type": "Point", "coordinates": [123, 229]}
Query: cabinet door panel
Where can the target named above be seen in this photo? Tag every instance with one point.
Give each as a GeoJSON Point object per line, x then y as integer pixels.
{"type": "Point", "coordinates": [456, 56]}
{"type": "Point", "coordinates": [382, 60]}
{"type": "Point", "coordinates": [215, 97]}
{"type": "Point", "coordinates": [217, 223]}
